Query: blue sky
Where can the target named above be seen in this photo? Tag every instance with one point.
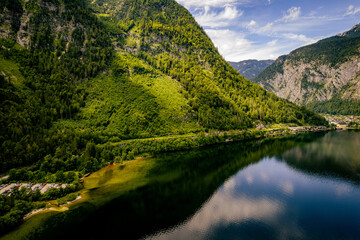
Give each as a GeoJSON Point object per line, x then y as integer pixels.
{"type": "Point", "coordinates": [266, 29]}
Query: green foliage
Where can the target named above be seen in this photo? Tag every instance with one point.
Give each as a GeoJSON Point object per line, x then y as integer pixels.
{"type": "Point", "coordinates": [165, 35]}
{"type": "Point", "coordinates": [50, 71]}
{"type": "Point", "coordinates": [14, 207]}
{"type": "Point", "coordinates": [334, 50]}
{"type": "Point", "coordinates": [135, 101]}
{"type": "Point", "coordinates": [336, 106]}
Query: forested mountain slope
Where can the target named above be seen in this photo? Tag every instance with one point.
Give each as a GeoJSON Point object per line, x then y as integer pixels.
{"type": "Point", "coordinates": [76, 72]}
{"type": "Point", "coordinates": [251, 68]}
{"type": "Point", "coordinates": [323, 76]}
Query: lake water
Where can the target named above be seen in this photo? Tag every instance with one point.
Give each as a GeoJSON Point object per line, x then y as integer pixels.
{"type": "Point", "coordinates": [308, 192]}
{"type": "Point", "coordinates": [300, 187]}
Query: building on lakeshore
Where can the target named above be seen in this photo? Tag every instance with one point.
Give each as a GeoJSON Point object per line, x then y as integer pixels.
{"type": "Point", "coordinates": [341, 126]}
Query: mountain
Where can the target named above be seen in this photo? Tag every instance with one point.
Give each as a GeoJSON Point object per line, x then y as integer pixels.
{"type": "Point", "coordinates": [324, 76]}
{"type": "Point", "coordinates": [77, 74]}
{"type": "Point", "coordinates": [251, 68]}
{"type": "Point", "coordinates": [84, 83]}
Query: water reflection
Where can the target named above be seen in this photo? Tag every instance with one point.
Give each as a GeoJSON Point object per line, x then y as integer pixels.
{"type": "Point", "coordinates": [302, 187]}
{"type": "Point", "coordinates": [335, 154]}
{"type": "Point", "coordinates": [223, 210]}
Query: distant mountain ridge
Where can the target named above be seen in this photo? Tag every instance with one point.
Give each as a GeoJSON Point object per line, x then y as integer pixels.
{"type": "Point", "coordinates": [251, 68]}
{"type": "Point", "coordinates": [324, 76]}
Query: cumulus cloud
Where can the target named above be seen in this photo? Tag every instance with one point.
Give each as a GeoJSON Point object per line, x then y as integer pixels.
{"type": "Point", "coordinates": [235, 46]}
{"type": "Point", "coordinates": [252, 23]}
{"type": "Point", "coordinates": [272, 43]}
{"type": "Point", "coordinates": [212, 19]}
{"type": "Point", "coordinates": [299, 37]}
{"type": "Point", "coordinates": [293, 14]}
{"type": "Point", "coordinates": [220, 3]}
{"type": "Point", "coordinates": [352, 10]}
{"type": "Point", "coordinates": [228, 42]}
{"type": "Point", "coordinates": [241, 32]}
{"type": "Point", "coordinates": [213, 3]}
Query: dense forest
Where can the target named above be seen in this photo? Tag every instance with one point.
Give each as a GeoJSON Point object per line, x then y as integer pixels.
{"type": "Point", "coordinates": [78, 78]}
{"type": "Point", "coordinates": [336, 106]}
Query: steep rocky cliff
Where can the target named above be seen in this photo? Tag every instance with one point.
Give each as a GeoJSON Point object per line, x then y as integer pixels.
{"type": "Point", "coordinates": [324, 75]}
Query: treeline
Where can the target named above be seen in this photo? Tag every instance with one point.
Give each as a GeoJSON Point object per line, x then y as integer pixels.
{"type": "Point", "coordinates": [336, 106]}
{"type": "Point", "coordinates": [71, 161]}
{"type": "Point", "coordinates": [334, 50]}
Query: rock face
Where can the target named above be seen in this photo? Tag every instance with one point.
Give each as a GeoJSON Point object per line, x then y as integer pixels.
{"type": "Point", "coordinates": [251, 68]}
{"type": "Point", "coordinates": [324, 71]}
{"type": "Point", "coordinates": [303, 82]}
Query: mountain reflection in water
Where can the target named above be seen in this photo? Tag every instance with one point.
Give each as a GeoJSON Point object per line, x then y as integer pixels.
{"type": "Point", "coordinates": [277, 198]}
{"type": "Point", "coordinates": [298, 187]}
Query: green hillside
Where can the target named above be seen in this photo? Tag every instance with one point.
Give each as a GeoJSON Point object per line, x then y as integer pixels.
{"type": "Point", "coordinates": [329, 82]}
{"type": "Point", "coordinates": [115, 70]}
{"type": "Point", "coordinates": [83, 83]}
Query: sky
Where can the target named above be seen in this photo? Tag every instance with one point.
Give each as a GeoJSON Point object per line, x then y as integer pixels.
{"type": "Point", "coordinates": [267, 29]}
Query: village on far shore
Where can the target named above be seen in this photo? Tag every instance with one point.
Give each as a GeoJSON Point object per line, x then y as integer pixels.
{"type": "Point", "coordinates": [6, 189]}
{"type": "Point", "coordinates": [343, 122]}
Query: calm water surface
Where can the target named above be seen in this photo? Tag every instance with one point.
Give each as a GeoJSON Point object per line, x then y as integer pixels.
{"type": "Point", "coordinates": [310, 191]}
{"type": "Point", "coordinates": [299, 187]}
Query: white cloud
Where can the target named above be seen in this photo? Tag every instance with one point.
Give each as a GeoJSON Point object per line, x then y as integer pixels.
{"type": "Point", "coordinates": [241, 35]}
{"type": "Point", "coordinates": [234, 46]}
{"type": "Point", "coordinates": [299, 37]}
{"type": "Point", "coordinates": [252, 23]}
{"type": "Point", "coordinates": [212, 3]}
{"type": "Point", "coordinates": [268, 28]}
{"type": "Point", "coordinates": [212, 19]}
{"type": "Point", "coordinates": [293, 14]}
{"type": "Point", "coordinates": [352, 10]}
{"type": "Point", "coordinates": [290, 22]}
{"type": "Point", "coordinates": [272, 43]}
{"type": "Point", "coordinates": [228, 42]}
{"type": "Point", "coordinates": [221, 3]}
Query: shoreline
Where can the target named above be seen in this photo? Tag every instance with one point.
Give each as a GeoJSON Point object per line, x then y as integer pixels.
{"type": "Point", "coordinates": [263, 134]}
{"type": "Point", "coordinates": [120, 178]}
{"type": "Point", "coordinates": [60, 208]}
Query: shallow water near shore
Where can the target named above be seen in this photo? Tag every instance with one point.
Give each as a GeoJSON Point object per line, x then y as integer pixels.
{"type": "Point", "coordinates": [298, 187]}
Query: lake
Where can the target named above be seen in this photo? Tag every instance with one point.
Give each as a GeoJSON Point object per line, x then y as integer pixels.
{"type": "Point", "coordinates": [296, 187]}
